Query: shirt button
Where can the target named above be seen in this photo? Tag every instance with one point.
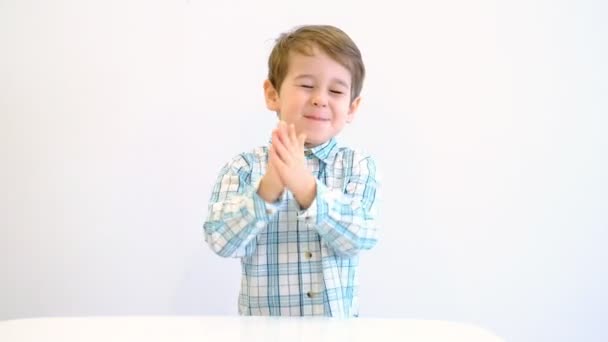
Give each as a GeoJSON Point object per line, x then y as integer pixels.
{"type": "Point", "coordinates": [308, 255]}
{"type": "Point", "coordinates": [269, 211]}
{"type": "Point", "coordinates": [310, 294]}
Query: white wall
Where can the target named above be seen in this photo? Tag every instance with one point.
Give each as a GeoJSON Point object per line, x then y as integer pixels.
{"type": "Point", "coordinates": [487, 118]}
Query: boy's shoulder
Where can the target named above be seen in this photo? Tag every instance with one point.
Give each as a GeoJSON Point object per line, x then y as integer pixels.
{"type": "Point", "coordinates": [249, 157]}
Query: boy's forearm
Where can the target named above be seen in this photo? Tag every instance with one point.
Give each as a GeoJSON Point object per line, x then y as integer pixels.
{"type": "Point", "coordinates": [270, 190]}
{"type": "Point", "coordinates": [347, 224]}
{"type": "Point", "coordinates": [305, 191]}
{"type": "Point", "coordinates": [346, 220]}
{"type": "Point", "coordinates": [234, 218]}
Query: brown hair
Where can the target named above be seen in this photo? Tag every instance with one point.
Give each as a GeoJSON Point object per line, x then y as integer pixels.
{"type": "Point", "coordinates": [331, 40]}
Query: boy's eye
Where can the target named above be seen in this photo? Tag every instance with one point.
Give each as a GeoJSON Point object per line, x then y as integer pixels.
{"type": "Point", "coordinates": [336, 92]}
{"type": "Point", "coordinates": [306, 86]}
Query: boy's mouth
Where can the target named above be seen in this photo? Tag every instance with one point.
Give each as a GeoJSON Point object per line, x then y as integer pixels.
{"type": "Point", "coordinates": [316, 117]}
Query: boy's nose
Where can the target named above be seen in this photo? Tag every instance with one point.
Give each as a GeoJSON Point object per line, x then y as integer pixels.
{"type": "Point", "coordinates": [319, 101]}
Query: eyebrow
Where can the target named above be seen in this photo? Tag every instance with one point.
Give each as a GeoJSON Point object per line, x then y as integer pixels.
{"type": "Point", "coordinates": [336, 80]}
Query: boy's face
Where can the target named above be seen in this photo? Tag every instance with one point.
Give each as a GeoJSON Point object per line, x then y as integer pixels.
{"type": "Point", "coordinates": [315, 96]}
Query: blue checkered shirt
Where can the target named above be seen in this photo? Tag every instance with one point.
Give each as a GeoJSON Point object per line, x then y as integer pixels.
{"type": "Point", "coordinates": [296, 262]}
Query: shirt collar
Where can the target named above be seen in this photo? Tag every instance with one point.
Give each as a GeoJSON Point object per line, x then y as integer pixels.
{"type": "Point", "coordinates": [324, 152]}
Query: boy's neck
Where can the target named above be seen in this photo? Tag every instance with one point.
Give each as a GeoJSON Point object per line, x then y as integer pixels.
{"type": "Point", "coordinates": [311, 146]}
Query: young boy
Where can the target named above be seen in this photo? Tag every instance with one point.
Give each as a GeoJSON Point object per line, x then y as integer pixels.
{"type": "Point", "coordinates": [298, 212]}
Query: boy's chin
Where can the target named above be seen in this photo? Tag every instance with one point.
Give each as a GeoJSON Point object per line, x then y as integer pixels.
{"type": "Point", "coordinates": [315, 142]}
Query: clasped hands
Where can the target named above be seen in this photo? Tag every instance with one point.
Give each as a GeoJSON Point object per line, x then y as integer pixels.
{"type": "Point", "coordinates": [287, 168]}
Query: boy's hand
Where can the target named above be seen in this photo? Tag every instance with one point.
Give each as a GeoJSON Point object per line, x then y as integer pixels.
{"type": "Point", "coordinates": [271, 187]}
{"type": "Point", "coordinates": [287, 158]}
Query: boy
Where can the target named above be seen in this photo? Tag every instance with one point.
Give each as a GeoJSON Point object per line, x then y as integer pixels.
{"type": "Point", "coordinates": [298, 212]}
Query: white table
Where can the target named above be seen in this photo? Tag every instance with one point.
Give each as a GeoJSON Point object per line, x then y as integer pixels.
{"type": "Point", "coordinates": [234, 328]}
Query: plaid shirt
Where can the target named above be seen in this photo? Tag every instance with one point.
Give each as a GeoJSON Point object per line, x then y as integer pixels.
{"type": "Point", "coordinates": [296, 262]}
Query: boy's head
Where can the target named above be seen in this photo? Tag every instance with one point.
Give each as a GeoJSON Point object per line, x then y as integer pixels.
{"type": "Point", "coordinates": [315, 76]}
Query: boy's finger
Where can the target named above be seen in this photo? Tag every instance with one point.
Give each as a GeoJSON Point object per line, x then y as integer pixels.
{"type": "Point", "coordinates": [302, 139]}
{"type": "Point", "coordinates": [283, 134]}
{"type": "Point", "coordinates": [292, 133]}
{"type": "Point", "coordinates": [277, 164]}
{"type": "Point", "coordinates": [271, 152]}
{"type": "Point", "coordinates": [276, 139]}
{"type": "Point", "coordinates": [284, 127]}
{"type": "Point", "coordinates": [280, 149]}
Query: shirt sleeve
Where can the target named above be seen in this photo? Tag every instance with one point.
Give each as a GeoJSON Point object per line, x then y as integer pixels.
{"type": "Point", "coordinates": [236, 213]}
{"type": "Point", "coordinates": [346, 220]}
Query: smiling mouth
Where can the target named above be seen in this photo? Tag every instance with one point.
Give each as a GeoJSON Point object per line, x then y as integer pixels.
{"type": "Point", "coordinates": [316, 118]}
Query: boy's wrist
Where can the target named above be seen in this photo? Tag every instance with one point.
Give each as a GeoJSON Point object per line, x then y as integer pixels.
{"type": "Point", "coordinates": [305, 192]}
{"type": "Point", "coordinates": [269, 190]}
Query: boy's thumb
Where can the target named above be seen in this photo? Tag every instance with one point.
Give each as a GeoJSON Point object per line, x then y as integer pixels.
{"type": "Point", "coordinates": [302, 138]}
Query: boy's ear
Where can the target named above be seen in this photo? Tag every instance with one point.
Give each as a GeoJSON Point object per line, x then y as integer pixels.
{"type": "Point", "coordinates": [271, 96]}
{"type": "Point", "coordinates": [354, 105]}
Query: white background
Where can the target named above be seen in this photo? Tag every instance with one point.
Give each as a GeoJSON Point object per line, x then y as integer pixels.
{"type": "Point", "coordinates": [488, 121]}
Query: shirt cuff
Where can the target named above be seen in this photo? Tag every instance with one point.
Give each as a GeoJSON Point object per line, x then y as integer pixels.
{"type": "Point", "coordinates": [318, 207]}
